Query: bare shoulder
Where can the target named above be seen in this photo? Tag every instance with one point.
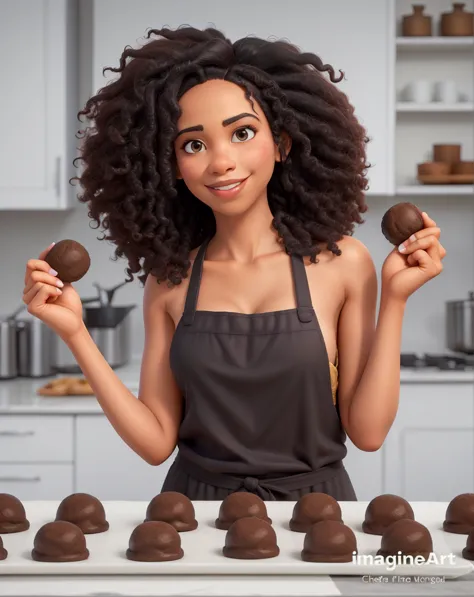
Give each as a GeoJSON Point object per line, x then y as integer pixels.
{"type": "Point", "coordinates": [355, 262]}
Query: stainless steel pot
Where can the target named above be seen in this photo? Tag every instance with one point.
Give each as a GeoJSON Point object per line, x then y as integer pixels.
{"type": "Point", "coordinates": [8, 350]}
{"type": "Point", "coordinates": [460, 325]}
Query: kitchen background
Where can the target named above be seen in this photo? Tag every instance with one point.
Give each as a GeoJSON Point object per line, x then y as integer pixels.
{"type": "Point", "coordinates": [411, 92]}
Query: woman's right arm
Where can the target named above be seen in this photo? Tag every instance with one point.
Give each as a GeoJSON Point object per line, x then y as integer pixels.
{"type": "Point", "coordinates": [150, 424]}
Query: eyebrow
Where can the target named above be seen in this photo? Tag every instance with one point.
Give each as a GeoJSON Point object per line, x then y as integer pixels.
{"type": "Point", "coordinates": [226, 122]}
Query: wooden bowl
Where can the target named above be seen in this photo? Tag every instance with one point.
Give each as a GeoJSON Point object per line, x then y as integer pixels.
{"type": "Point", "coordinates": [463, 168]}
{"type": "Point", "coordinates": [434, 168]}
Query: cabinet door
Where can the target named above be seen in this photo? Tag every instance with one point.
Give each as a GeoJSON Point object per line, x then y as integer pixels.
{"type": "Point", "coordinates": [365, 470]}
{"type": "Point", "coordinates": [38, 103]}
{"type": "Point", "coordinates": [429, 452]}
{"type": "Point", "coordinates": [108, 468]}
{"type": "Point", "coordinates": [355, 37]}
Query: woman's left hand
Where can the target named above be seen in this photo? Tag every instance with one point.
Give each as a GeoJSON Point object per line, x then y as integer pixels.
{"type": "Point", "coordinates": [405, 271]}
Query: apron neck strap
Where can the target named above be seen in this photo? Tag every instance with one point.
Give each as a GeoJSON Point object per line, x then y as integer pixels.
{"type": "Point", "coordinates": [194, 284]}
{"type": "Point", "coordinates": [303, 294]}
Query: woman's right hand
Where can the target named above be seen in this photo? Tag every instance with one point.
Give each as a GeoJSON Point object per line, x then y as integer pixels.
{"type": "Point", "coordinates": [60, 308]}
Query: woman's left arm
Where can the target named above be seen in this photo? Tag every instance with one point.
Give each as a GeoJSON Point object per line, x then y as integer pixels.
{"type": "Point", "coordinates": [369, 354]}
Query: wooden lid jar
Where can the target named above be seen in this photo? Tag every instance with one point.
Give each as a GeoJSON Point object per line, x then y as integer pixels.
{"type": "Point", "coordinates": [446, 153]}
{"type": "Point", "coordinates": [417, 24]}
{"type": "Point", "coordinates": [458, 22]}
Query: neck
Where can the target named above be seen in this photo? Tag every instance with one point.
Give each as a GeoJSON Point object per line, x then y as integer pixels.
{"type": "Point", "coordinates": [245, 237]}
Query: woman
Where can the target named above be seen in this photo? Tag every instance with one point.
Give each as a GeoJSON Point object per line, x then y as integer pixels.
{"type": "Point", "coordinates": [233, 175]}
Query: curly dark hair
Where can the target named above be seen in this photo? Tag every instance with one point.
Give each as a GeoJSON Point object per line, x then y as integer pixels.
{"type": "Point", "coordinates": [129, 179]}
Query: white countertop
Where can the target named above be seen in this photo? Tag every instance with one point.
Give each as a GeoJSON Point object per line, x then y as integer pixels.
{"type": "Point", "coordinates": [18, 395]}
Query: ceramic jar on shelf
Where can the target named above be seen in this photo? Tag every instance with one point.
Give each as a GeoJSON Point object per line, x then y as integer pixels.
{"type": "Point", "coordinates": [457, 23]}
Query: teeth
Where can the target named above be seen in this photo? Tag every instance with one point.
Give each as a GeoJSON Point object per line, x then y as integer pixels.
{"type": "Point", "coordinates": [227, 188]}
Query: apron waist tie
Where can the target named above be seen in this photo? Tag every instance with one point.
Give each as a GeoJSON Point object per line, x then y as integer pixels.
{"type": "Point", "coordinates": [277, 489]}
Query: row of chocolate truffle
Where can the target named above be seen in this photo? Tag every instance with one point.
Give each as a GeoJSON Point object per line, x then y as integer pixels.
{"type": "Point", "coordinates": [87, 512]}
{"type": "Point", "coordinates": [250, 537]}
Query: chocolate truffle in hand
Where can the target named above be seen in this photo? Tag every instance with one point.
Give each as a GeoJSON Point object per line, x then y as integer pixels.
{"type": "Point", "coordinates": [174, 508]}
{"type": "Point", "coordinates": [400, 222]}
{"type": "Point", "coordinates": [468, 551]}
{"type": "Point", "coordinates": [250, 538]}
{"type": "Point", "coordinates": [312, 508]}
{"type": "Point", "coordinates": [329, 541]}
{"type": "Point", "coordinates": [240, 504]}
{"type": "Point", "coordinates": [3, 551]}
{"type": "Point", "coordinates": [460, 514]}
{"type": "Point", "coordinates": [85, 511]}
{"type": "Point", "coordinates": [383, 510]}
{"type": "Point", "coordinates": [154, 541]}
{"type": "Point", "coordinates": [59, 541]}
{"type": "Point", "coordinates": [70, 259]}
{"type": "Point", "coordinates": [409, 537]}
{"type": "Point", "coordinates": [12, 515]}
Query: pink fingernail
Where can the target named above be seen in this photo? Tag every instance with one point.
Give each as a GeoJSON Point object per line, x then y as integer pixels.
{"type": "Point", "coordinates": [53, 272]}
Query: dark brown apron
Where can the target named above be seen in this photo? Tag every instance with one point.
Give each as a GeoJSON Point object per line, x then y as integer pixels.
{"type": "Point", "coordinates": [258, 413]}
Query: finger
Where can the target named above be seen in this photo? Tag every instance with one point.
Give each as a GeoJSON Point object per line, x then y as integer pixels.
{"type": "Point", "coordinates": [435, 231]}
{"type": "Point", "coordinates": [428, 222]}
{"type": "Point", "coordinates": [41, 276]}
{"type": "Point", "coordinates": [421, 243]}
{"type": "Point", "coordinates": [34, 264]}
{"type": "Point", "coordinates": [38, 295]}
{"type": "Point", "coordinates": [423, 260]}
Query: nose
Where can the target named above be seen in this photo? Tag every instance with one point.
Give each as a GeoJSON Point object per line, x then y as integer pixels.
{"type": "Point", "coordinates": [221, 161]}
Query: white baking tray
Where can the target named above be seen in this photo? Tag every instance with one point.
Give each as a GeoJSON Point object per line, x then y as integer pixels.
{"type": "Point", "coordinates": [203, 547]}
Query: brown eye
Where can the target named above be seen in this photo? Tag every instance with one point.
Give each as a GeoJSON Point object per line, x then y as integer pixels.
{"type": "Point", "coordinates": [243, 135]}
{"type": "Point", "coordinates": [194, 142]}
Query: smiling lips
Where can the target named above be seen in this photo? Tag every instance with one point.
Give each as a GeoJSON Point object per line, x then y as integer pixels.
{"type": "Point", "coordinates": [227, 184]}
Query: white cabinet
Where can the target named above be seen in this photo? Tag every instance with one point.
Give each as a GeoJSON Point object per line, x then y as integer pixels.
{"type": "Point", "coordinates": [366, 55]}
{"type": "Point", "coordinates": [36, 456]}
{"type": "Point", "coordinates": [365, 470]}
{"type": "Point", "coordinates": [108, 468]}
{"type": "Point", "coordinates": [38, 103]}
{"type": "Point", "coordinates": [429, 452]}
{"type": "Point", "coordinates": [37, 481]}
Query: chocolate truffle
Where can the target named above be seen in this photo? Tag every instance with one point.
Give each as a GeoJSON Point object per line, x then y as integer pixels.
{"type": "Point", "coordinates": [312, 508]}
{"type": "Point", "coordinates": [85, 511]}
{"type": "Point", "coordinates": [468, 551]}
{"type": "Point", "coordinates": [174, 508]}
{"type": "Point", "coordinates": [409, 537]}
{"type": "Point", "coordinates": [70, 259]}
{"type": "Point", "coordinates": [460, 514]}
{"type": "Point", "coordinates": [154, 541]}
{"type": "Point", "coordinates": [250, 538]}
{"type": "Point", "coordinates": [400, 222]}
{"type": "Point", "coordinates": [240, 504]}
{"type": "Point", "coordinates": [59, 541]}
{"type": "Point", "coordinates": [3, 551]}
{"type": "Point", "coordinates": [12, 515]}
{"type": "Point", "coordinates": [383, 510]}
{"type": "Point", "coordinates": [329, 541]}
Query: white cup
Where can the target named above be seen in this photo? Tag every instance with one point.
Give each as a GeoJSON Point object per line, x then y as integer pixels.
{"type": "Point", "coordinates": [446, 92]}
{"type": "Point", "coordinates": [420, 92]}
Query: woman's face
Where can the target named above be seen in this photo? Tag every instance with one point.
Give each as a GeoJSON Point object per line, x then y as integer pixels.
{"type": "Point", "coordinates": [240, 149]}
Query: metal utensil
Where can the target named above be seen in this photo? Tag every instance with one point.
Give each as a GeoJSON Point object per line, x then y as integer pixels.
{"type": "Point", "coordinates": [109, 292]}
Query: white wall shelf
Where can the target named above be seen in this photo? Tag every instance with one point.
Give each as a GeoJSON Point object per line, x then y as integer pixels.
{"type": "Point", "coordinates": [435, 43]}
{"type": "Point", "coordinates": [451, 189]}
{"type": "Point", "coordinates": [435, 107]}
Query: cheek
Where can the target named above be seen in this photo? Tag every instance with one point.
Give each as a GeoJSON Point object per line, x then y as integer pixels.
{"type": "Point", "coordinates": [261, 155]}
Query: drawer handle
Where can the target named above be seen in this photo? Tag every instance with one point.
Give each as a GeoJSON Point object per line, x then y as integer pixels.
{"type": "Point", "coordinates": [16, 433]}
{"type": "Point", "coordinates": [15, 479]}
